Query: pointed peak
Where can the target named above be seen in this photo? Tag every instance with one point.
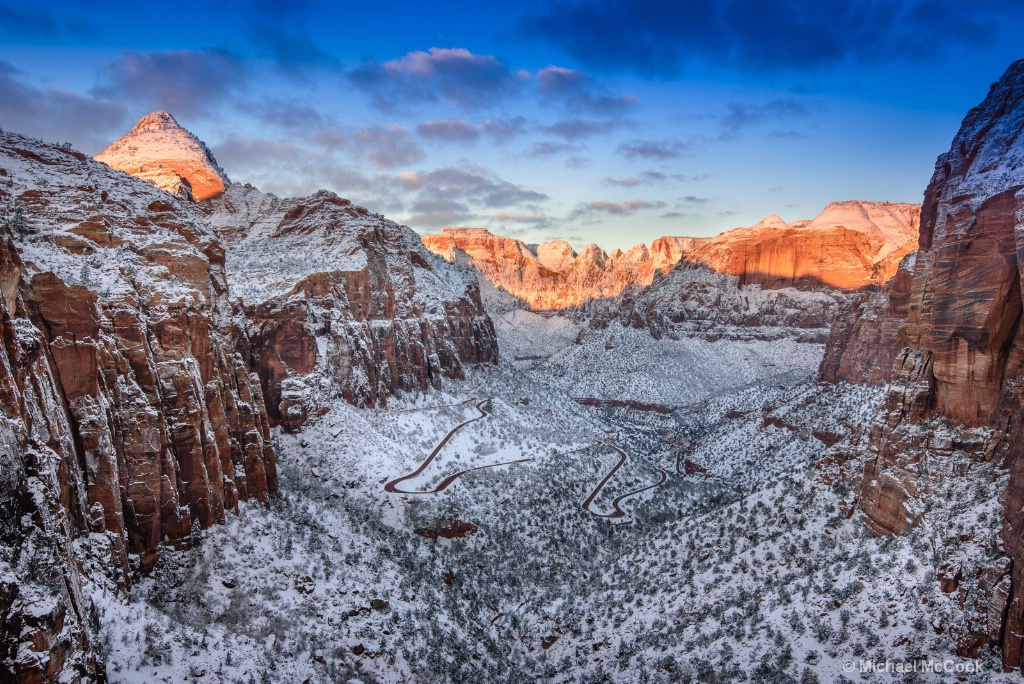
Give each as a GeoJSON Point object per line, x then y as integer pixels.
{"type": "Point", "coordinates": [159, 119]}
{"type": "Point", "coordinates": [160, 151]}
{"type": "Point", "coordinates": [772, 221]}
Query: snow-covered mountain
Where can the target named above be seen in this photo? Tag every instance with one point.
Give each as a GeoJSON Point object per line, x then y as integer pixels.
{"type": "Point", "coordinates": [157, 149]}
{"type": "Point", "coordinates": [343, 301]}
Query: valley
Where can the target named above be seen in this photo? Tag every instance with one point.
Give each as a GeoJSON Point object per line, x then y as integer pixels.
{"type": "Point", "coordinates": [249, 439]}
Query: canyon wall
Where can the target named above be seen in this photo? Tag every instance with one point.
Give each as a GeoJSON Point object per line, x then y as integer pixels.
{"type": "Point", "coordinates": [849, 246]}
{"type": "Point", "coordinates": [342, 302]}
{"type": "Point", "coordinates": [694, 301]}
{"type": "Point", "coordinates": [131, 415]}
{"type": "Point", "coordinates": [957, 372]}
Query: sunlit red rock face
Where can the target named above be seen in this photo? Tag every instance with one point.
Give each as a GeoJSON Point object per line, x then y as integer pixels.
{"type": "Point", "coordinates": [552, 275]}
{"type": "Point", "coordinates": [160, 151]}
{"type": "Point", "coordinates": [866, 337]}
{"type": "Point", "coordinates": [957, 386]}
{"type": "Point", "coordinates": [849, 246]}
{"type": "Point", "coordinates": [342, 302]}
{"type": "Point", "coordinates": [130, 412]}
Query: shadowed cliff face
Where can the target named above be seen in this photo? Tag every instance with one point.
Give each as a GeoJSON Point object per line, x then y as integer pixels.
{"type": "Point", "coordinates": [342, 302]}
{"type": "Point", "coordinates": [130, 412]}
{"type": "Point", "coordinates": [962, 357]}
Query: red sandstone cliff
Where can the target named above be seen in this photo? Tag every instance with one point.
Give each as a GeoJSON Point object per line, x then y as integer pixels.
{"type": "Point", "coordinates": [130, 412]}
{"type": "Point", "coordinates": [552, 275]}
{"type": "Point", "coordinates": [963, 352]}
{"type": "Point", "coordinates": [849, 246]}
{"type": "Point", "coordinates": [866, 337]}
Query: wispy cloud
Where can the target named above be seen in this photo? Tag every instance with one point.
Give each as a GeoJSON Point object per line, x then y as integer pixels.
{"type": "Point", "coordinates": [653, 149]}
{"type": "Point", "coordinates": [452, 75]}
{"type": "Point", "coordinates": [185, 82]}
{"type": "Point", "coordinates": [614, 208]}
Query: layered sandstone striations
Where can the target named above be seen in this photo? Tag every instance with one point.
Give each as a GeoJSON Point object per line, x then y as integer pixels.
{"type": "Point", "coordinates": [342, 302]}
{"type": "Point", "coordinates": [130, 412]}
{"type": "Point", "coordinates": [849, 246]}
{"type": "Point", "coordinates": [956, 386]}
{"type": "Point", "coordinates": [160, 151]}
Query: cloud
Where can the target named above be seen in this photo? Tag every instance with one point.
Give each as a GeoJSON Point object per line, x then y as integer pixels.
{"type": "Point", "coordinates": [740, 116]}
{"type": "Point", "coordinates": [614, 208]}
{"type": "Point", "coordinates": [652, 149]}
{"type": "Point", "coordinates": [453, 195]}
{"type": "Point", "coordinates": [516, 217]}
{"type": "Point", "coordinates": [578, 91]}
{"type": "Point", "coordinates": [452, 75]}
{"type": "Point", "coordinates": [434, 212]}
{"type": "Point", "coordinates": [546, 148]}
{"type": "Point", "coordinates": [57, 115]}
{"type": "Point", "coordinates": [33, 24]}
{"type": "Point", "coordinates": [471, 182]}
{"type": "Point", "coordinates": [184, 82]}
{"type": "Point", "coordinates": [576, 129]}
{"type": "Point", "coordinates": [386, 146]}
{"type": "Point", "coordinates": [659, 38]}
{"type": "Point", "coordinates": [286, 114]}
{"type": "Point", "coordinates": [504, 129]}
{"type": "Point", "coordinates": [651, 178]}
{"type": "Point", "coordinates": [294, 54]}
{"type": "Point", "coordinates": [448, 130]}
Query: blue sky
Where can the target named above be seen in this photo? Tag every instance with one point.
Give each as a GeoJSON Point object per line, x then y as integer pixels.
{"type": "Point", "coordinates": [611, 121]}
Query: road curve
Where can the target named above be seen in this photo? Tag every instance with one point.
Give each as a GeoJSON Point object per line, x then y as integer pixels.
{"type": "Point", "coordinates": [617, 512]}
{"type": "Point", "coordinates": [393, 485]}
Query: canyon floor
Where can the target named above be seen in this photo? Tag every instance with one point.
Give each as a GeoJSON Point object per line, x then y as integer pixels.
{"type": "Point", "coordinates": [739, 555]}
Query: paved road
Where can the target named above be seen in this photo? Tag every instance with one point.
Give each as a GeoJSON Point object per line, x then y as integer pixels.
{"type": "Point", "coordinates": [617, 511]}
{"type": "Point", "coordinates": [393, 485]}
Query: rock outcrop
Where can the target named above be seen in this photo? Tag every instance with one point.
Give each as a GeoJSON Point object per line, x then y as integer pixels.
{"type": "Point", "coordinates": [957, 386]}
{"type": "Point", "coordinates": [130, 413]}
{"type": "Point", "coordinates": [551, 275]}
{"type": "Point", "coordinates": [849, 246]}
{"type": "Point", "coordinates": [866, 336]}
{"type": "Point", "coordinates": [342, 302]}
{"type": "Point", "coordinates": [160, 151]}
{"type": "Point", "coordinates": [691, 300]}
